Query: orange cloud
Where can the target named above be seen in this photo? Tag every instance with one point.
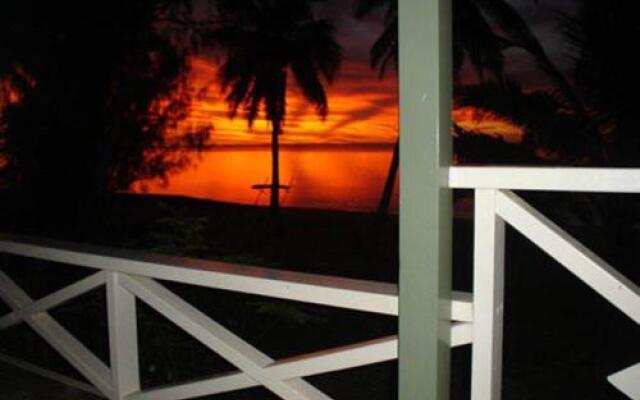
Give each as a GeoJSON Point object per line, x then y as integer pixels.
{"type": "Point", "coordinates": [362, 110]}
{"type": "Point", "coordinates": [476, 120]}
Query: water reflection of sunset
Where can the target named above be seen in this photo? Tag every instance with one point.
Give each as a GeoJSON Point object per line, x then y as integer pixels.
{"type": "Point", "coordinates": [333, 178]}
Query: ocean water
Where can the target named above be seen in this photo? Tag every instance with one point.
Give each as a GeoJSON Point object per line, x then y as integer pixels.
{"type": "Point", "coordinates": [344, 178]}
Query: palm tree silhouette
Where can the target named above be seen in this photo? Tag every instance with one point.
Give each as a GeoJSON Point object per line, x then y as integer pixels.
{"type": "Point", "coordinates": [473, 36]}
{"type": "Point", "coordinates": [264, 41]}
{"type": "Point", "coordinates": [605, 75]}
{"type": "Point", "coordinates": [541, 115]}
{"type": "Point", "coordinates": [482, 30]}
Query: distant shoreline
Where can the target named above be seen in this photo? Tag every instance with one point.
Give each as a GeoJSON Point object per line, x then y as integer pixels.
{"type": "Point", "coordinates": [294, 147]}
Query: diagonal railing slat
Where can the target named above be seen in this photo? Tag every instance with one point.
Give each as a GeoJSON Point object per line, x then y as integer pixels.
{"type": "Point", "coordinates": [498, 182]}
{"type": "Point", "coordinates": [59, 338]}
{"type": "Point", "coordinates": [54, 376]}
{"type": "Point", "coordinates": [127, 274]}
{"type": "Point", "coordinates": [628, 381]}
{"type": "Point", "coordinates": [54, 299]}
{"type": "Point", "coordinates": [219, 339]}
{"type": "Point", "coordinates": [579, 260]}
{"type": "Point", "coordinates": [332, 360]}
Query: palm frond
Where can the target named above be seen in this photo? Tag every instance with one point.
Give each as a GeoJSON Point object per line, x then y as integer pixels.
{"type": "Point", "coordinates": [475, 38]}
{"type": "Point", "coordinates": [547, 124]}
{"type": "Point", "coordinates": [265, 39]}
{"type": "Point", "coordinates": [316, 42]}
{"type": "Point", "coordinates": [516, 31]}
{"type": "Point", "coordinates": [312, 89]}
{"type": "Point", "coordinates": [385, 49]}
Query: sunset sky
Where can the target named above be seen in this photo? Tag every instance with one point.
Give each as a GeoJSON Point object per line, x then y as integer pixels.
{"type": "Point", "coordinates": [362, 118]}
{"type": "Point", "coordinates": [363, 109]}
{"type": "Point", "coordinates": [353, 145]}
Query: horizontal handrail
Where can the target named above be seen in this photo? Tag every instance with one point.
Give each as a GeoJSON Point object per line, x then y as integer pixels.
{"type": "Point", "coordinates": [563, 179]}
{"type": "Point", "coordinates": [354, 294]}
{"type": "Point", "coordinates": [370, 296]}
{"type": "Point", "coordinates": [130, 275]}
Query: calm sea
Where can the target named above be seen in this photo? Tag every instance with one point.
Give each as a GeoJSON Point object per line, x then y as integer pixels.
{"type": "Point", "coordinates": [349, 179]}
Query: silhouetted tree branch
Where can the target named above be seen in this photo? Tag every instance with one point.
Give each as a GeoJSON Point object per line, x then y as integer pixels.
{"type": "Point", "coordinates": [103, 92]}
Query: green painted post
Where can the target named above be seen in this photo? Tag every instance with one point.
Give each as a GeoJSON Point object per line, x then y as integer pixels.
{"type": "Point", "coordinates": [425, 202]}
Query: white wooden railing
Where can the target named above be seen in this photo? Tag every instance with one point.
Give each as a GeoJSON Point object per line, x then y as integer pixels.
{"type": "Point", "coordinates": [476, 318]}
{"type": "Point", "coordinates": [129, 275]}
{"type": "Point", "coordinates": [495, 205]}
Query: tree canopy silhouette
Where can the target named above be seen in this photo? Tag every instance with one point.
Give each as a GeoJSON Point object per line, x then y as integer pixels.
{"type": "Point", "coordinates": [482, 31]}
{"type": "Point", "coordinates": [102, 91]}
{"type": "Point", "coordinates": [605, 73]}
{"type": "Point", "coordinates": [600, 125]}
{"type": "Point", "coordinates": [265, 41]}
{"type": "Point", "coordinates": [550, 129]}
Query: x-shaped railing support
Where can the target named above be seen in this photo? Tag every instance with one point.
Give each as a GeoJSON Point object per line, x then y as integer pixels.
{"type": "Point", "coordinates": [35, 315]}
{"type": "Point", "coordinates": [121, 381]}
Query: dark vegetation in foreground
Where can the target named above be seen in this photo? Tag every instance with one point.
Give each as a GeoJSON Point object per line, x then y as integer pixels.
{"type": "Point", "coordinates": [561, 340]}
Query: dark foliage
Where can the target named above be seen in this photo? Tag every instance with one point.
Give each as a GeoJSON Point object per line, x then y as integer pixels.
{"type": "Point", "coordinates": [482, 30]}
{"type": "Point", "coordinates": [550, 128]}
{"type": "Point", "coordinates": [476, 148]}
{"type": "Point", "coordinates": [101, 93]}
{"type": "Point", "coordinates": [605, 72]}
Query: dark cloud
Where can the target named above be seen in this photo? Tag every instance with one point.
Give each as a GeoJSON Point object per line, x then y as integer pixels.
{"type": "Point", "coordinates": [544, 17]}
{"type": "Point", "coordinates": [355, 36]}
{"type": "Point", "coordinates": [373, 108]}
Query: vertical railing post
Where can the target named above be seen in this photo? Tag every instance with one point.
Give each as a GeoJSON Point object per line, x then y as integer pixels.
{"type": "Point", "coordinates": [488, 302]}
{"type": "Point", "coordinates": [425, 71]}
{"type": "Point", "coordinates": [123, 338]}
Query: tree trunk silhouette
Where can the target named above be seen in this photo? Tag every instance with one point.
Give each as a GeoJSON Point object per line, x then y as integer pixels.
{"type": "Point", "coordinates": [387, 192]}
{"type": "Point", "coordinates": [275, 169]}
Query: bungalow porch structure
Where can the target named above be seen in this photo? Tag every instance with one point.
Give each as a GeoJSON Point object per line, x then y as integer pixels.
{"type": "Point", "coordinates": [432, 317]}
